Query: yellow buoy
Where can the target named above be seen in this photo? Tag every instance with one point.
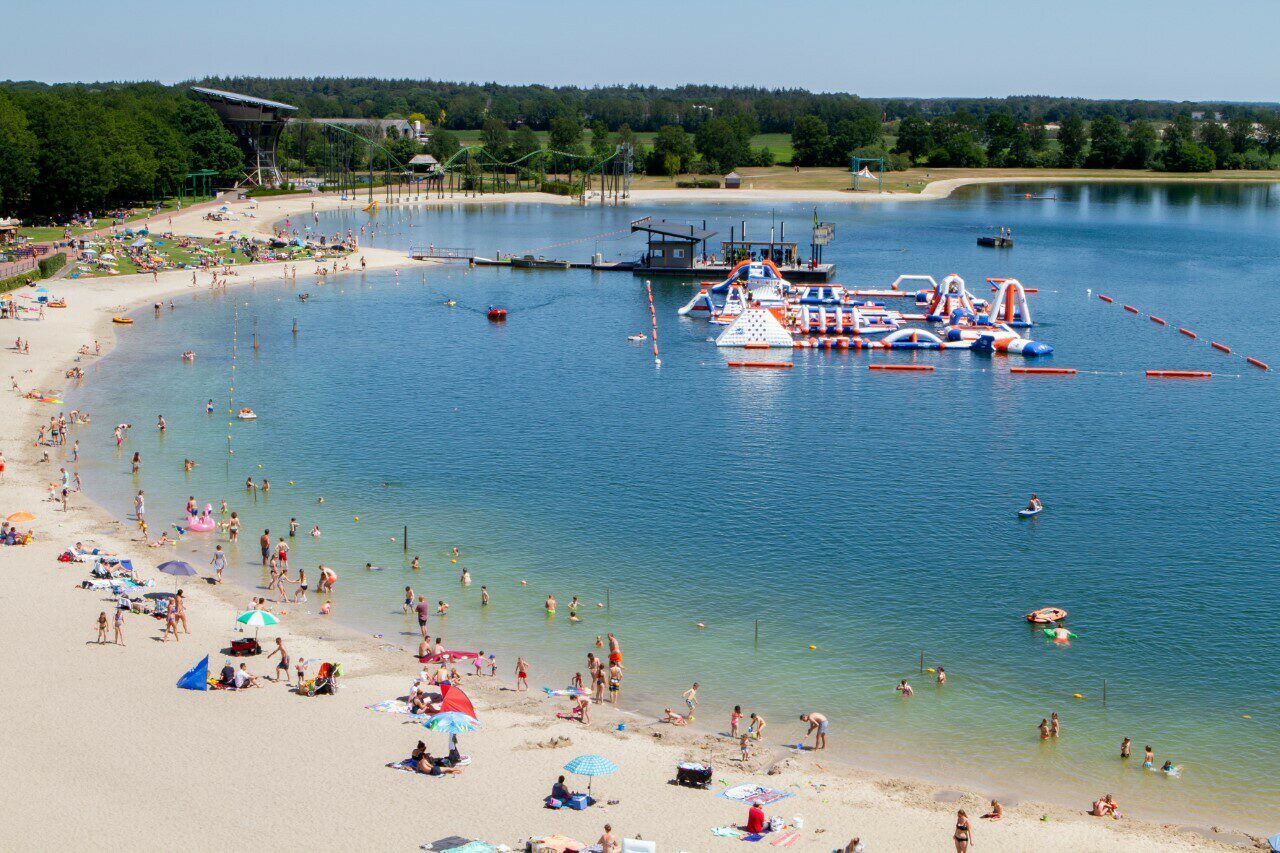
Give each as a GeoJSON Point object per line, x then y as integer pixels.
{"type": "Point", "coordinates": [1245, 717]}
{"type": "Point", "coordinates": [813, 648]}
{"type": "Point", "coordinates": [357, 518]}
{"type": "Point", "coordinates": [455, 561]}
{"type": "Point", "coordinates": [291, 482]}
{"type": "Point", "coordinates": [259, 464]}
{"type": "Point", "coordinates": [1076, 696]}
{"type": "Point", "coordinates": [930, 669]}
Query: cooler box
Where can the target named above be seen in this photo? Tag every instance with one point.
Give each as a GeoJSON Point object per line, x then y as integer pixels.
{"type": "Point", "coordinates": [578, 802]}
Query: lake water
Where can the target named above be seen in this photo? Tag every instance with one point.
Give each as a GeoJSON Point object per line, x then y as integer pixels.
{"type": "Point", "coordinates": [870, 515]}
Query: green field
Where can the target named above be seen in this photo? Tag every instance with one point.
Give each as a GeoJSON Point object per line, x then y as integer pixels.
{"type": "Point", "coordinates": [46, 234]}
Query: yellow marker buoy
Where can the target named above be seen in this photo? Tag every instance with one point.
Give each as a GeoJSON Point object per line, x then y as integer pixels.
{"type": "Point", "coordinates": [813, 648]}
{"type": "Point", "coordinates": [259, 464]}
{"type": "Point", "coordinates": [455, 561]}
{"type": "Point", "coordinates": [291, 482]}
{"type": "Point", "coordinates": [1245, 717]}
{"type": "Point", "coordinates": [1076, 696]}
{"type": "Point", "coordinates": [930, 669]}
{"type": "Point", "coordinates": [357, 518]}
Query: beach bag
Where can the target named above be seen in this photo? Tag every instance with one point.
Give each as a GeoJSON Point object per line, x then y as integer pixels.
{"type": "Point", "coordinates": [777, 824]}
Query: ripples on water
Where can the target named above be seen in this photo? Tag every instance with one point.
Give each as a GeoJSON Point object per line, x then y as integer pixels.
{"type": "Point", "coordinates": [869, 515]}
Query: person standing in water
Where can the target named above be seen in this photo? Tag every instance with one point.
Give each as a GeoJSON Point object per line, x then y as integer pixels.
{"type": "Point", "coordinates": [1126, 748]}
{"type": "Point", "coordinates": [817, 723]}
{"type": "Point", "coordinates": [408, 599]}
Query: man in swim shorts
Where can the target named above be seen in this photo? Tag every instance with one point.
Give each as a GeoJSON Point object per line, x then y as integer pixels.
{"type": "Point", "coordinates": [265, 543]}
{"type": "Point", "coordinates": [423, 611]}
{"type": "Point", "coordinates": [817, 722]}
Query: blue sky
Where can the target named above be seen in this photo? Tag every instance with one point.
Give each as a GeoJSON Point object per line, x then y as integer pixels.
{"type": "Point", "coordinates": [1167, 49]}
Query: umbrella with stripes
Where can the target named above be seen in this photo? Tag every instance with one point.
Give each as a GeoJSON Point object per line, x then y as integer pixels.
{"type": "Point", "coordinates": [591, 766]}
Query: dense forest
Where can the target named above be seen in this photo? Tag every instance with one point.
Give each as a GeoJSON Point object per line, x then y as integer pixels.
{"type": "Point", "coordinates": [82, 147]}
{"type": "Point", "coordinates": [72, 149]}
{"type": "Point", "coordinates": [648, 108]}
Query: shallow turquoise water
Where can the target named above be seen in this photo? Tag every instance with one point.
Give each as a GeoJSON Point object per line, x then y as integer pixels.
{"type": "Point", "coordinates": [870, 515]}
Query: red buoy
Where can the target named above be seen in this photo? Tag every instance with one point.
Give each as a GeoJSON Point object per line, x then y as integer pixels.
{"type": "Point", "coordinates": [497, 315]}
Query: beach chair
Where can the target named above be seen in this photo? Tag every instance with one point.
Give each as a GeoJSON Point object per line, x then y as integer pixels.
{"type": "Point", "coordinates": [638, 845]}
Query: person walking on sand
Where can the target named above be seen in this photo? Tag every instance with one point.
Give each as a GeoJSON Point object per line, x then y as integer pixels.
{"type": "Point", "coordinates": [963, 836]}
{"type": "Point", "coordinates": [264, 542]}
{"type": "Point", "coordinates": [691, 700]}
{"type": "Point", "coordinates": [102, 628]}
{"type": "Point", "coordinates": [817, 727]}
{"type": "Point", "coordinates": [180, 612]}
{"type": "Point", "coordinates": [522, 674]}
{"type": "Point", "coordinates": [282, 665]}
{"type": "Point", "coordinates": [171, 622]}
{"type": "Point", "coordinates": [300, 594]}
{"type": "Point", "coordinates": [118, 622]}
{"type": "Point", "coordinates": [219, 562]}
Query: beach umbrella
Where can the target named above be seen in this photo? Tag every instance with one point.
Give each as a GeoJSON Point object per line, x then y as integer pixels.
{"type": "Point", "coordinates": [257, 619]}
{"type": "Point", "coordinates": [178, 569]}
{"type": "Point", "coordinates": [452, 723]}
{"type": "Point", "coordinates": [591, 766]}
{"type": "Point", "coordinates": [20, 516]}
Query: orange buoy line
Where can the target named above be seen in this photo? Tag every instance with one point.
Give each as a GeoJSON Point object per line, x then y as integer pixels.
{"type": "Point", "coordinates": [1257, 363]}
{"type": "Point", "coordinates": [1131, 309]}
{"type": "Point", "coordinates": [1105, 298]}
{"type": "Point", "coordinates": [1046, 371]}
{"type": "Point", "coordinates": [1180, 374]}
{"type": "Point", "coordinates": [755, 346]}
{"type": "Point", "coordinates": [779, 365]}
{"type": "Point", "coordinates": [916, 367]}
{"type": "Point", "coordinates": [1218, 346]}
{"type": "Point", "coordinates": [1187, 332]}
{"type": "Point", "coordinates": [1156, 319]}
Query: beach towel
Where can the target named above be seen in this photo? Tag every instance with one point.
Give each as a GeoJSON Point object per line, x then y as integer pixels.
{"type": "Point", "coordinates": [757, 794]}
{"type": "Point", "coordinates": [726, 831]}
{"type": "Point", "coordinates": [396, 706]}
{"type": "Point", "coordinates": [450, 842]}
{"type": "Point", "coordinates": [471, 847]}
{"type": "Point", "coordinates": [785, 839]}
{"type": "Point", "coordinates": [567, 691]}
{"type": "Point", "coordinates": [755, 836]}
{"type": "Point", "coordinates": [407, 765]}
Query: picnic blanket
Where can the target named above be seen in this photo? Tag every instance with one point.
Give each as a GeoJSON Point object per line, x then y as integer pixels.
{"type": "Point", "coordinates": [757, 794]}
{"type": "Point", "coordinates": [396, 706]}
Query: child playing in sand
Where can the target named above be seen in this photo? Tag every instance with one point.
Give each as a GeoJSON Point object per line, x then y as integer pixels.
{"type": "Point", "coordinates": [672, 718]}
{"type": "Point", "coordinates": [493, 666]}
{"type": "Point", "coordinates": [734, 719]}
{"type": "Point", "coordinates": [744, 744]}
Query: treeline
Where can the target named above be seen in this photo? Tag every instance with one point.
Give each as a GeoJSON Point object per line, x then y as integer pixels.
{"type": "Point", "coordinates": [999, 140]}
{"type": "Point", "coordinates": [74, 149]}
{"type": "Point", "coordinates": [649, 108]}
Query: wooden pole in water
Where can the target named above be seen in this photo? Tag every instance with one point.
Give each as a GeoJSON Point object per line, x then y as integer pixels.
{"type": "Point", "coordinates": [406, 537]}
{"type": "Point", "coordinates": [757, 632]}
{"type": "Point", "coordinates": [653, 317]}
{"type": "Point", "coordinates": [1104, 693]}
{"type": "Point", "coordinates": [922, 661]}
{"type": "Point", "coordinates": [295, 327]}
{"type": "Point", "coordinates": [608, 605]}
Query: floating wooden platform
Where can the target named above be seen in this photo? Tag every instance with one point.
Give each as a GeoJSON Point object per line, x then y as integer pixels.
{"type": "Point", "coordinates": [818, 272]}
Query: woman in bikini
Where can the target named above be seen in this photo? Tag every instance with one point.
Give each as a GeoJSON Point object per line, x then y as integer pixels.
{"type": "Point", "coordinates": [963, 834]}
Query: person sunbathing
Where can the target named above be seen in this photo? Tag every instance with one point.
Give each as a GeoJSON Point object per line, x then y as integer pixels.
{"type": "Point", "coordinates": [997, 811]}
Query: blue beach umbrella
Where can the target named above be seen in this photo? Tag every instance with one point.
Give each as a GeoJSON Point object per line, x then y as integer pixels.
{"type": "Point", "coordinates": [591, 766]}
{"type": "Point", "coordinates": [178, 568]}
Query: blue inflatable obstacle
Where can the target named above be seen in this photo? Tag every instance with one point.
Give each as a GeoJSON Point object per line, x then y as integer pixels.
{"type": "Point", "coordinates": [1012, 345]}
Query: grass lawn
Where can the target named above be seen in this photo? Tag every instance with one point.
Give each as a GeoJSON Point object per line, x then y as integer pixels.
{"type": "Point", "coordinates": [46, 234]}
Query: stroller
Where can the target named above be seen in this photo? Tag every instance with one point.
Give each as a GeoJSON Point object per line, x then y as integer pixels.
{"type": "Point", "coordinates": [326, 681]}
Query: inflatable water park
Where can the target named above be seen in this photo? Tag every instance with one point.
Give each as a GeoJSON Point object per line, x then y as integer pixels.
{"type": "Point", "coordinates": [762, 310]}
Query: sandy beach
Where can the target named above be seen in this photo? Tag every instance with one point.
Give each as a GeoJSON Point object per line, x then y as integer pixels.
{"type": "Point", "coordinates": [107, 753]}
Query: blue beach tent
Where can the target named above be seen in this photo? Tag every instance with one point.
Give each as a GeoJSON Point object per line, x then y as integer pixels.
{"type": "Point", "coordinates": [196, 678]}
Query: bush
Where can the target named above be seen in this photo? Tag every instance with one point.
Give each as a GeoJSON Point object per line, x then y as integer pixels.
{"type": "Point", "coordinates": [13, 282]}
{"type": "Point", "coordinates": [561, 188]}
{"type": "Point", "coordinates": [51, 264]}
{"type": "Point", "coordinates": [699, 184]}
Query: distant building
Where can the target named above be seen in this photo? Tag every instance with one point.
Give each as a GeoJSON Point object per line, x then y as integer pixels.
{"type": "Point", "coordinates": [256, 124]}
{"type": "Point", "coordinates": [733, 181]}
{"type": "Point", "coordinates": [424, 163]}
{"type": "Point", "coordinates": [671, 245]}
{"type": "Point", "coordinates": [401, 126]}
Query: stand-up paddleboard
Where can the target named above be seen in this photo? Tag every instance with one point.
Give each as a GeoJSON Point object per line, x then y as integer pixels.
{"type": "Point", "coordinates": [1030, 513]}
